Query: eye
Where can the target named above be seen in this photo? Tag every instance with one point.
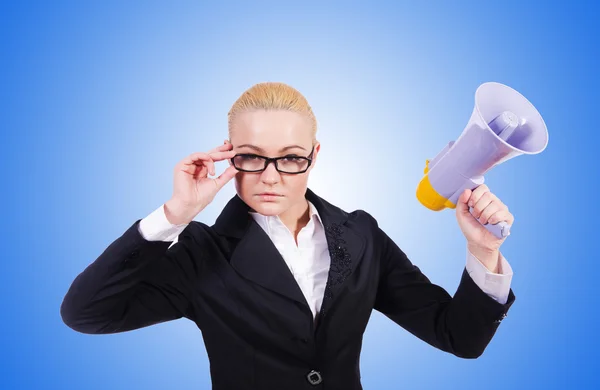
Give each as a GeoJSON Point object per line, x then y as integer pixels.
{"type": "Point", "coordinates": [292, 158]}
{"type": "Point", "coordinates": [248, 157]}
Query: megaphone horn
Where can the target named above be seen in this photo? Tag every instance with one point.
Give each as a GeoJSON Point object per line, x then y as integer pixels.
{"type": "Point", "coordinates": [503, 124]}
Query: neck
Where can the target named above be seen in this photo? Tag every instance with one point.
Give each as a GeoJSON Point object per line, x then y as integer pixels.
{"type": "Point", "coordinates": [296, 217]}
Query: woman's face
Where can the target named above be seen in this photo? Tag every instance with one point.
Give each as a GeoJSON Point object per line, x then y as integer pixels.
{"type": "Point", "coordinates": [273, 134]}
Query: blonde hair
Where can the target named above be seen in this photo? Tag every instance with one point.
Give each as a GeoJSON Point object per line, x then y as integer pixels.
{"type": "Point", "coordinates": [272, 96]}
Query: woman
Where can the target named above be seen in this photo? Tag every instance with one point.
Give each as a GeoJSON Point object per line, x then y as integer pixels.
{"type": "Point", "coordinates": [284, 282]}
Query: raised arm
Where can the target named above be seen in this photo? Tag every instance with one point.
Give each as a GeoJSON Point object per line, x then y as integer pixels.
{"type": "Point", "coordinates": [142, 278]}
{"type": "Point", "coordinates": [462, 325]}
{"type": "Point", "coordinates": [134, 283]}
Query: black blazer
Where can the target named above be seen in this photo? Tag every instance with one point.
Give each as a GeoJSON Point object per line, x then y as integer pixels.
{"type": "Point", "coordinates": [257, 327]}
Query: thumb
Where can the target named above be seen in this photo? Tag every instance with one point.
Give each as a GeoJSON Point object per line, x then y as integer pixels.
{"type": "Point", "coordinates": [224, 177]}
{"type": "Point", "coordinates": [462, 206]}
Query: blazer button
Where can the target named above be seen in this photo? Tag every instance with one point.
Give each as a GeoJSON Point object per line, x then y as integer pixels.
{"type": "Point", "coordinates": [134, 254]}
{"type": "Point", "coordinates": [314, 377]}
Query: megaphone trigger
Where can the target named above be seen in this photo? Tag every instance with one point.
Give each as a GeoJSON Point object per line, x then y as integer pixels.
{"type": "Point", "coordinates": [500, 229]}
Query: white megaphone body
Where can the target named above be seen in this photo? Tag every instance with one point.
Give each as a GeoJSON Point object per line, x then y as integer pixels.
{"type": "Point", "coordinates": [503, 125]}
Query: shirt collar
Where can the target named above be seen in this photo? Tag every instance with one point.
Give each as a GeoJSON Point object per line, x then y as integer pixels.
{"type": "Point", "coordinates": [234, 219]}
{"type": "Point", "coordinates": [269, 219]}
{"type": "Point", "coordinates": [313, 212]}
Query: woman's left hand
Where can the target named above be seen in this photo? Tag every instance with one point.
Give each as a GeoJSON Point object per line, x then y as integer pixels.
{"type": "Point", "coordinates": [487, 209]}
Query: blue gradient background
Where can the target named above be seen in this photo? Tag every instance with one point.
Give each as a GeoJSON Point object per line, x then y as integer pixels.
{"type": "Point", "coordinates": [100, 100]}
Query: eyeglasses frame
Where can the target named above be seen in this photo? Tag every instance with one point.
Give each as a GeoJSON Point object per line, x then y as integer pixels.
{"type": "Point", "coordinates": [268, 161]}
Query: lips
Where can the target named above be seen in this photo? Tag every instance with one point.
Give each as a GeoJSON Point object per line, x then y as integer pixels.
{"type": "Point", "coordinates": [269, 194]}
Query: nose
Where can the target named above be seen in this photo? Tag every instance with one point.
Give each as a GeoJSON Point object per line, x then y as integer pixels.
{"type": "Point", "coordinates": [270, 175]}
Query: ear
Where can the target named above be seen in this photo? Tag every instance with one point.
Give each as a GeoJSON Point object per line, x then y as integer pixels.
{"type": "Point", "coordinates": [315, 154]}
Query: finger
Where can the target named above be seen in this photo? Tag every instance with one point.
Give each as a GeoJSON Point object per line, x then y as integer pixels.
{"type": "Point", "coordinates": [224, 177]}
{"type": "Point", "coordinates": [461, 206]}
{"type": "Point", "coordinates": [200, 171]}
{"type": "Point", "coordinates": [491, 209]}
{"type": "Point", "coordinates": [219, 156]}
{"type": "Point", "coordinates": [501, 215]}
{"type": "Point", "coordinates": [222, 148]}
{"type": "Point", "coordinates": [196, 171]}
{"type": "Point", "coordinates": [200, 158]}
{"type": "Point", "coordinates": [477, 194]}
{"type": "Point", "coordinates": [194, 157]}
{"type": "Point", "coordinates": [189, 169]}
{"type": "Point", "coordinates": [481, 204]}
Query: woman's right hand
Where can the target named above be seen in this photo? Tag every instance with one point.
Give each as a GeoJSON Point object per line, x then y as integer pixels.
{"type": "Point", "coordinates": [193, 190]}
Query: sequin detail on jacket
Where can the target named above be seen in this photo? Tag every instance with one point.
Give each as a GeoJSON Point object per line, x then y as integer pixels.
{"type": "Point", "coordinates": [340, 266]}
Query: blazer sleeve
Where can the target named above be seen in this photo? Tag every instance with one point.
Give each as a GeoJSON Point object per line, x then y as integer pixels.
{"type": "Point", "coordinates": [462, 325]}
{"type": "Point", "coordinates": [134, 283]}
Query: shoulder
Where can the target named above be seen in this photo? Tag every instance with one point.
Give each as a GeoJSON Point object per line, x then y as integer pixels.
{"type": "Point", "coordinates": [198, 233]}
{"type": "Point", "coordinates": [365, 224]}
{"type": "Point", "coordinates": [362, 220]}
{"type": "Point", "coordinates": [361, 215]}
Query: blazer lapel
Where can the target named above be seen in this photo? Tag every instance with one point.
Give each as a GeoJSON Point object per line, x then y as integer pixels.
{"type": "Point", "coordinates": [345, 245]}
{"type": "Point", "coordinates": [257, 259]}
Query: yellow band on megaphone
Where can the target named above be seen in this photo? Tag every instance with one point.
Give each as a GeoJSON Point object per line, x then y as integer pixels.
{"type": "Point", "coordinates": [429, 197]}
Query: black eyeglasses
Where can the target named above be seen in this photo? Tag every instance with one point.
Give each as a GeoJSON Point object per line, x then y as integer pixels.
{"type": "Point", "coordinates": [292, 164]}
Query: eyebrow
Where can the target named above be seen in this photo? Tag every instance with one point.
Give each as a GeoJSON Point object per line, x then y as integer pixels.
{"type": "Point", "coordinates": [260, 150]}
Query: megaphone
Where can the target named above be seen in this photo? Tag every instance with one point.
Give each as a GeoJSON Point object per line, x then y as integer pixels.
{"type": "Point", "coordinates": [503, 125]}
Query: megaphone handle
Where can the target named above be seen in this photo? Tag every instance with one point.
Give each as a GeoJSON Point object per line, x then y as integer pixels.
{"type": "Point", "coordinates": [500, 229]}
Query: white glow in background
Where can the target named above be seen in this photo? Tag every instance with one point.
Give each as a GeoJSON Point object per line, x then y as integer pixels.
{"type": "Point", "coordinates": [101, 103]}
